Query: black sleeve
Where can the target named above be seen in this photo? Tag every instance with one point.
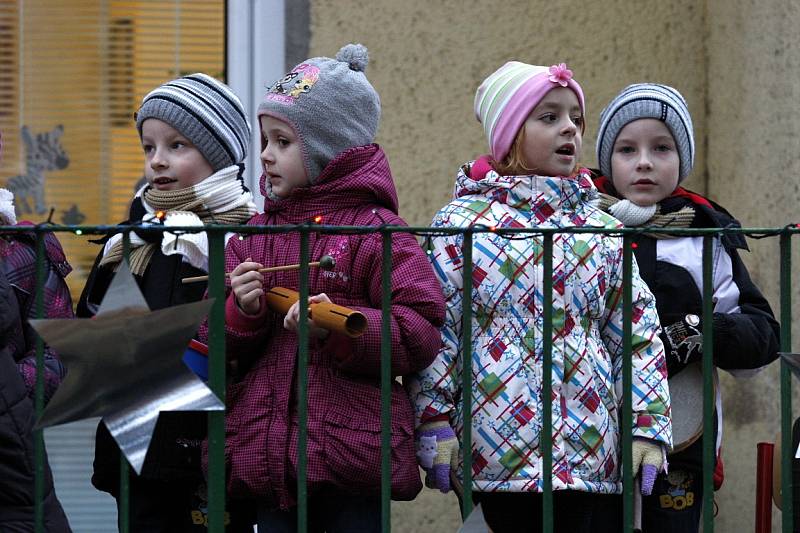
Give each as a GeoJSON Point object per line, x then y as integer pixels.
{"type": "Point", "coordinates": [93, 291]}
{"type": "Point", "coordinates": [748, 339]}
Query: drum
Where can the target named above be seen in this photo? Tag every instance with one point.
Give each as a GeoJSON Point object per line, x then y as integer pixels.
{"type": "Point", "coordinates": [686, 392]}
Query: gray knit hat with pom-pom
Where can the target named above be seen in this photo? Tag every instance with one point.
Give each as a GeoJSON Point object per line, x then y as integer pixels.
{"type": "Point", "coordinates": [330, 104]}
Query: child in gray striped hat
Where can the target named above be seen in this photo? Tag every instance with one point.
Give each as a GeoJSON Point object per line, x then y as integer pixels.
{"type": "Point", "coordinates": [645, 148]}
{"type": "Point", "coordinates": [195, 135]}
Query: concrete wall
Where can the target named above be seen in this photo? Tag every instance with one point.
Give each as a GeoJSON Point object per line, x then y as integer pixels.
{"type": "Point", "coordinates": [736, 64]}
{"type": "Point", "coordinates": [752, 149]}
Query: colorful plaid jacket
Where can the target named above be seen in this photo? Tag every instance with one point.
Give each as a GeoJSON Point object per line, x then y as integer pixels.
{"type": "Point", "coordinates": [507, 339]}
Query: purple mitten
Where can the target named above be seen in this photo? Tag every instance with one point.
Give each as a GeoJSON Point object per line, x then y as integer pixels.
{"type": "Point", "coordinates": [649, 455]}
{"type": "Point", "coordinates": [437, 453]}
{"type": "Point", "coordinates": [649, 473]}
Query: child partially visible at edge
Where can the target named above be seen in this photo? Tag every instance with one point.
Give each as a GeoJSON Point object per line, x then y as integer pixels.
{"type": "Point", "coordinates": [194, 135]}
{"type": "Point", "coordinates": [318, 124]}
{"type": "Point", "coordinates": [645, 148]}
{"type": "Point", "coordinates": [533, 117]}
{"type": "Point", "coordinates": [18, 288]}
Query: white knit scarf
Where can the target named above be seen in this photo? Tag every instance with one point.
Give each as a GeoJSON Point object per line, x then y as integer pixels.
{"type": "Point", "coordinates": [8, 216]}
{"type": "Point", "coordinates": [220, 198]}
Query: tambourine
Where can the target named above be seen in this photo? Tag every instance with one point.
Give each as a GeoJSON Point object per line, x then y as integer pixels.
{"type": "Point", "coordinates": [686, 392]}
{"type": "Point", "coordinates": [326, 315]}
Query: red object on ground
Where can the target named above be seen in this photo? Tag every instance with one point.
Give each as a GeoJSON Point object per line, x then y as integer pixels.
{"type": "Point", "coordinates": [764, 487]}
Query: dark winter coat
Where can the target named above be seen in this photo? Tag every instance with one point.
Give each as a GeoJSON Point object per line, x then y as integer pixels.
{"type": "Point", "coordinates": [344, 428]}
{"type": "Point", "coordinates": [174, 452]}
{"type": "Point", "coordinates": [745, 332]}
{"type": "Point", "coordinates": [17, 415]}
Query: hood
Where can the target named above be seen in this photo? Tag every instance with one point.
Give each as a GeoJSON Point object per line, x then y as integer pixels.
{"type": "Point", "coordinates": [479, 178]}
{"type": "Point", "coordinates": [356, 177]}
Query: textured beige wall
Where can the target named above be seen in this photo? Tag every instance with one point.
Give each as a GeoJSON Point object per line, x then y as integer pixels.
{"type": "Point", "coordinates": [735, 63]}
{"type": "Point", "coordinates": [754, 170]}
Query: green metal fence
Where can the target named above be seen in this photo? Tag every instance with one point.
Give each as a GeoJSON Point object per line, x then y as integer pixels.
{"type": "Point", "coordinates": [216, 474]}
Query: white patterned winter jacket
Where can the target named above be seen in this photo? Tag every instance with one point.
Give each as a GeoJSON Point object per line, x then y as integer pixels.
{"type": "Point", "coordinates": [507, 338]}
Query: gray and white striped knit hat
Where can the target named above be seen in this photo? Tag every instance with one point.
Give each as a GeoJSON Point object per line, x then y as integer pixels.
{"type": "Point", "coordinates": [206, 111]}
{"type": "Point", "coordinates": [647, 100]}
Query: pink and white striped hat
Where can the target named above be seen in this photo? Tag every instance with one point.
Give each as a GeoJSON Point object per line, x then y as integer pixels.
{"type": "Point", "coordinates": [505, 99]}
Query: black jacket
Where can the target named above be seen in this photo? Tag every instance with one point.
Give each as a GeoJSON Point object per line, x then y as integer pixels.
{"type": "Point", "coordinates": [16, 437]}
{"type": "Point", "coordinates": [746, 334]}
{"type": "Point", "coordinates": [174, 452]}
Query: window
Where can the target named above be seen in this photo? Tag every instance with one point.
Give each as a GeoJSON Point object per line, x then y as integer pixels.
{"type": "Point", "coordinates": [72, 73]}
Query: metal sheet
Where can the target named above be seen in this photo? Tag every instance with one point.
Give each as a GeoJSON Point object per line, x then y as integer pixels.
{"type": "Point", "coordinates": [125, 365]}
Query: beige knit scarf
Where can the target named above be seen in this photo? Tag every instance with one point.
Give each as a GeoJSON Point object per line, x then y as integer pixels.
{"type": "Point", "coordinates": [633, 216]}
{"type": "Point", "coordinates": [219, 199]}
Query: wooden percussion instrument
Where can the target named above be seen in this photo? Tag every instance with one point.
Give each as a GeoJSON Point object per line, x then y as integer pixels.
{"type": "Point", "coordinates": [325, 315]}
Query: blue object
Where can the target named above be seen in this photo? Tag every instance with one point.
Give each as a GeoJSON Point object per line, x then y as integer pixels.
{"type": "Point", "coordinates": [196, 358]}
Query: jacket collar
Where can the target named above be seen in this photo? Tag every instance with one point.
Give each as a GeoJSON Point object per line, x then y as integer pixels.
{"type": "Point", "coordinates": [356, 177]}
{"type": "Point", "coordinates": [557, 193]}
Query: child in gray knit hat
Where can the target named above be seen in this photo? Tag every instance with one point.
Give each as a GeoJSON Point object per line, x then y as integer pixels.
{"type": "Point", "coordinates": [194, 134]}
{"type": "Point", "coordinates": [321, 166]}
{"type": "Point", "coordinates": [329, 105]}
{"type": "Point", "coordinates": [645, 148]}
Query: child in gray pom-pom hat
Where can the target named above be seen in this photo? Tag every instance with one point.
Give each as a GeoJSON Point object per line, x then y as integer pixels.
{"type": "Point", "coordinates": [329, 104]}
{"type": "Point", "coordinates": [645, 148]}
{"type": "Point", "coordinates": [318, 124]}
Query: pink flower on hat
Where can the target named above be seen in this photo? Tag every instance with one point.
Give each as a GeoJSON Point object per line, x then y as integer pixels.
{"type": "Point", "coordinates": [560, 74]}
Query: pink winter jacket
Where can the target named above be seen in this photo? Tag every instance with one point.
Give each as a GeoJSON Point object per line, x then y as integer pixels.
{"type": "Point", "coordinates": [344, 425]}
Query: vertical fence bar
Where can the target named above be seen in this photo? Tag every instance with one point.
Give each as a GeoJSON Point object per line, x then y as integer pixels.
{"type": "Point", "coordinates": [123, 502]}
{"type": "Point", "coordinates": [627, 385]}
{"type": "Point", "coordinates": [787, 451]}
{"type": "Point", "coordinates": [216, 382]}
{"type": "Point", "coordinates": [386, 384]}
{"type": "Point", "coordinates": [38, 435]}
{"type": "Point", "coordinates": [302, 386]}
{"type": "Point", "coordinates": [466, 372]}
{"type": "Point", "coordinates": [709, 443]}
{"type": "Point", "coordinates": [546, 438]}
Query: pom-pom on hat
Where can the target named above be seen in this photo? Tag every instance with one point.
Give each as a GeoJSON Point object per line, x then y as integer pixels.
{"type": "Point", "coordinates": [505, 99]}
{"type": "Point", "coordinates": [647, 100]}
{"type": "Point", "coordinates": [329, 103]}
{"type": "Point", "coordinates": [204, 110]}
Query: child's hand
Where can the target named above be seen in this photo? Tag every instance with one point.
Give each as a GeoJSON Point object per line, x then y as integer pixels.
{"type": "Point", "coordinates": [292, 318]}
{"type": "Point", "coordinates": [248, 286]}
{"type": "Point", "coordinates": [648, 455]}
{"type": "Point", "coordinates": [437, 453]}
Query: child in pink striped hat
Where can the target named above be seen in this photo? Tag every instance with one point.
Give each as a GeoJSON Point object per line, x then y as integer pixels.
{"type": "Point", "coordinates": [533, 118]}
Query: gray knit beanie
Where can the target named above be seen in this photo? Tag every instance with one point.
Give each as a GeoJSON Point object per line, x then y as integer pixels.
{"type": "Point", "coordinates": [647, 100]}
{"type": "Point", "coordinates": [330, 104]}
{"type": "Point", "coordinates": [206, 111]}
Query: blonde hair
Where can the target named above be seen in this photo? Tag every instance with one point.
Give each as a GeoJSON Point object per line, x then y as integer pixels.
{"type": "Point", "coordinates": [513, 164]}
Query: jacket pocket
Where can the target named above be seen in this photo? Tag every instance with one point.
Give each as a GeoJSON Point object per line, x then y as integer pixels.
{"type": "Point", "coordinates": [353, 452]}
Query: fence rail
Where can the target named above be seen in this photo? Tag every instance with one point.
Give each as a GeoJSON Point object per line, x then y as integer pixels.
{"type": "Point", "coordinates": [216, 473]}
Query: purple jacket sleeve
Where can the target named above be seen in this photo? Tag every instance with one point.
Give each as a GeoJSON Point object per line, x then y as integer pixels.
{"type": "Point", "coordinates": [242, 332]}
{"type": "Point", "coordinates": [57, 304]}
{"type": "Point", "coordinates": [416, 314]}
